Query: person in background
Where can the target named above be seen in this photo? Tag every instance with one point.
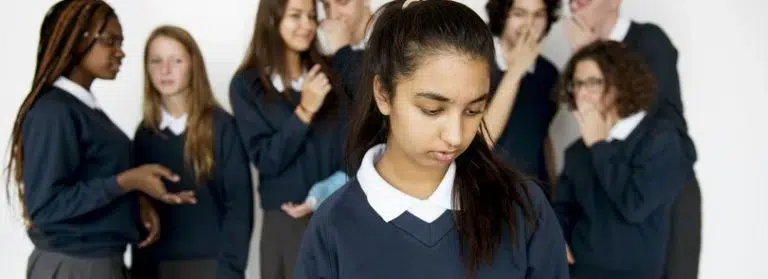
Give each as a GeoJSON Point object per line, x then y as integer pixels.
{"type": "Point", "coordinates": [72, 165]}
{"type": "Point", "coordinates": [290, 110]}
{"type": "Point", "coordinates": [616, 191]}
{"type": "Point", "coordinates": [600, 19]}
{"type": "Point", "coordinates": [523, 105]}
{"type": "Point", "coordinates": [185, 129]}
{"type": "Point", "coordinates": [429, 198]}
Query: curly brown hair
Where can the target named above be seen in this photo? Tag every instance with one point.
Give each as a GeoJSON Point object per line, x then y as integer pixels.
{"type": "Point", "coordinates": [622, 69]}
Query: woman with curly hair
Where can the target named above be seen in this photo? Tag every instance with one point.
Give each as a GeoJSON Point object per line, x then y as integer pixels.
{"type": "Point", "coordinates": [616, 191]}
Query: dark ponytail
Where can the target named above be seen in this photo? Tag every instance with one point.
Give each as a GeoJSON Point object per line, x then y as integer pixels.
{"type": "Point", "coordinates": [62, 44]}
{"type": "Point", "coordinates": [490, 196]}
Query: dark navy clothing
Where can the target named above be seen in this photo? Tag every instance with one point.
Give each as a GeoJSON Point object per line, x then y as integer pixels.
{"type": "Point", "coordinates": [522, 142]}
{"type": "Point", "coordinates": [72, 155]}
{"type": "Point", "coordinates": [219, 226]}
{"type": "Point", "coordinates": [346, 238]}
{"type": "Point", "coordinates": [614, 200]}
{"type": "Point", "coordinates": [652, 44]}
{"type": "Point", "coordinates": [290, 155]}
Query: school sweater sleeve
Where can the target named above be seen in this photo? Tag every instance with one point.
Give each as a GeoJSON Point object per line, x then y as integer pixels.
{"type": "Point", "coordinates": [652, 177]}
{"type": "Point", "coordinates": [53, 191]}
{"type": "Point", "coordinates": [233, 175]}
{"type": "Point", "coordinates": [270, 147]}
{"type": "Point", "coordinates": [565, 205]}
{"type": "Point", "coordinates": [546, 246]}
{"type": "Point", "coordinates": [317, 259]}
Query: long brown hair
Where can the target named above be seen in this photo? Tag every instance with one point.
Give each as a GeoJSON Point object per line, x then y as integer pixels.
{"type": "Point", "coordinates": [492, 197]}
{"type": "Point", "coordinates": [61, 47]}
{"type": "Point", "coordinates": [201, 104]}
{"type": "Point", "coordinates": [267, 54]}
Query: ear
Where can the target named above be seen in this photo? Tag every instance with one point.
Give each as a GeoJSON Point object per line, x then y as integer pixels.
{"type": "Point", "coordinates": [381, 97]}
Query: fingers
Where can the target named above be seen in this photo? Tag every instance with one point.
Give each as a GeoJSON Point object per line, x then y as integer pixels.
{"type": "Point", "coordinates": [186, 197]}
{"type": "Point", "coordinates": [154, 235]}
{"type": "Point", "coordinates": [163, 172]}
{"type": "Point", "coordinates": [313, 72]}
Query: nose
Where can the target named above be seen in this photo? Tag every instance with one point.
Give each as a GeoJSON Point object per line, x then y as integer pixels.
{"type": "Point", "coordinates": [165, 67]}
{"type": "Point", "coordinates": [451, 133]}
{"type": "Point", "coordinates": [119, 53]}
{"type": "Point", "coordinates": [308, 23]}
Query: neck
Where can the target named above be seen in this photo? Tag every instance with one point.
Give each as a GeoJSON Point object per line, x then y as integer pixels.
{"type": "Point", "coordinates": [606, 27]}
{"type": "Point", "coordinates": [359, 35]}
{"type": "Point", "coordinates": [176, 104]}
{"type": "Point", "coordinates": [409, 178]}
{"type": "Point", "coordinates": [82, 78]}
{"type": "Point", "coordinates": [293, 63]}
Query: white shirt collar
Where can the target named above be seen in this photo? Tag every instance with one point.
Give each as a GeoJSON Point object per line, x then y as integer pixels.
{"type": "Point", "coordinates": [390, 203]}
{"type": "Point", "coordinates": [296, 85]}
{"type": "Point", "coordinates": [501, 62]}
{"type": "Point", "coordinates": [624, 127]}
{"type": "Point", "coordinates": [78, 91]}
{"type": "Point", "coordinates": [620, 29]}
{"type": "Point", "coordinates": [176, 125]}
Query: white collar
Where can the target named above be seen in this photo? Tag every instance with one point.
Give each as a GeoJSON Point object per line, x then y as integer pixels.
{"type": "Point", "coordinates": [625, 126]}
{"type": "Point", "coordinates": [501, 62]}
{"type": "Point", "coordinates": [78, 91]}
{"type": "Point", "coordinates": [390, 203]}
{"type": "Point", "coordinates": [620, 29]}
{"type": "Point", "coordinates": [176, 125]}
{"type": "Point", "coordinates": [295, 84]}
{"type": "Point", "coordinates": [362, 44]}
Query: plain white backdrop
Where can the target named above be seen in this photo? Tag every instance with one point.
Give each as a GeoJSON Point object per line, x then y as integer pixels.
{"type": "Point", "coordinates": [723, 66]}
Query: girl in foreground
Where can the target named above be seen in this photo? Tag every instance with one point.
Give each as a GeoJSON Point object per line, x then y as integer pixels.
{"type": "Point", "coordinates": [429, 199]}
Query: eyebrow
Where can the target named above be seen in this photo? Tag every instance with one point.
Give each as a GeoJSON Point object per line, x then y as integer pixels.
{"type": "Point", "coordinates": [441, 98]}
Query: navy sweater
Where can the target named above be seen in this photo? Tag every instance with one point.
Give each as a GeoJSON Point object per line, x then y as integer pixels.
{"type": "Point", "coordinates": [72, 155]}
{"type": "Point", "coordinates": [651, 43]}
{"type": "Point", "coordinates": [346, 238]}
{"type": "Point", "coordinates": [614, 200]}
{"type": "Point", "coordinates": [522, 142]}
{"type": "Point", "coordinates": [290, 155]}
{"type": "Point", "coordinates": [217, 227]}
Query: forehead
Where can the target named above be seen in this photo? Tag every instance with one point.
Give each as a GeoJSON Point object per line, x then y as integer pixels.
{"type": "Point", "coordinates": [460, 78]}
{"type": "Point", "coordinates": [529, 4]}
{"type": "Point", "coordinates": [164, 44]}
{"type": "Point", "coordinates": [303, 5]}
{"type": "Point", "coordinates": [587, 68]}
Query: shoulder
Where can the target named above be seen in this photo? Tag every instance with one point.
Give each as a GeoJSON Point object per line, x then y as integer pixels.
{"type": "Point", "coordinates": [650, 36]}
{"type": "Point", "coordinates": [53, 106]}
{"type": "Point", "coordinates": [546, 67]}
{"type": "Point", "coordinates": [244, 82]}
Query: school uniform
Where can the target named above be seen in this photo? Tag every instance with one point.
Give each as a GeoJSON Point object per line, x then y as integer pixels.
{"type": "Point", "coordinates": [209, 239]}
{"type": "Point", "coordinates": [291, 156]}
{"type": "Point", "coordinates": [614, 199]}
{"type": "Point", "coordinates": [651, 43]}
{"type": "Point", "coordinates": [81, 218]}
{"type": "Point", "coordinates": [369, 229]}
{"type": "Point", "coordinates": [521, 143]}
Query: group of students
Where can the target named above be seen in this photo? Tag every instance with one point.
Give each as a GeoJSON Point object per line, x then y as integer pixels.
{"type": "Point", "coordinates": [408, 143]}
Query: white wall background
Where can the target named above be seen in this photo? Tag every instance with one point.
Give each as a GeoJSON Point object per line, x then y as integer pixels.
{"type": "Point", "coordinates": [723, 65]}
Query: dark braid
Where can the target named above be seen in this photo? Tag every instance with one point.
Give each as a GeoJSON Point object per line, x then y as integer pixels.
{"type": "Point", "coordinates": [62, 45]}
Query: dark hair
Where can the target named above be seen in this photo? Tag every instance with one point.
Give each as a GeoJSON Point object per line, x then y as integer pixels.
{"type": "Point", "coordinates": [403, 37]}
{"type": "Point", "coordinates": [622, 69]}
{"type": "Point", "coordinates": [498, 12]}
{"type": "Point", "coordinates": [63, 43]}
{"type": "Point", "coordinates": [266, 54]}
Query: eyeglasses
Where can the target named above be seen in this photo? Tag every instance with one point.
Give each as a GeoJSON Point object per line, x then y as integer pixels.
{"type": "Point", "coordinates": [106, 39]}
{"type": "Point", "coordinates": [590, 84]}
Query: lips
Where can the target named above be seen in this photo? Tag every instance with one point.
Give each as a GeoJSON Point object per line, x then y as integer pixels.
{"type": "Point", "coordinates": [444, 156]}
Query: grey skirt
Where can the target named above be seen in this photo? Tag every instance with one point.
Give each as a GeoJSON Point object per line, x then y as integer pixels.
{"type": "Point", "coordinates": [52, 265]}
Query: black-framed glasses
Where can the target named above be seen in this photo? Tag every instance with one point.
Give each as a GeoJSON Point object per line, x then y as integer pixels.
{"type": "Point", "coordinates": [590, 84]}
{"type": "Point", "coordinates": [106, 39]}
